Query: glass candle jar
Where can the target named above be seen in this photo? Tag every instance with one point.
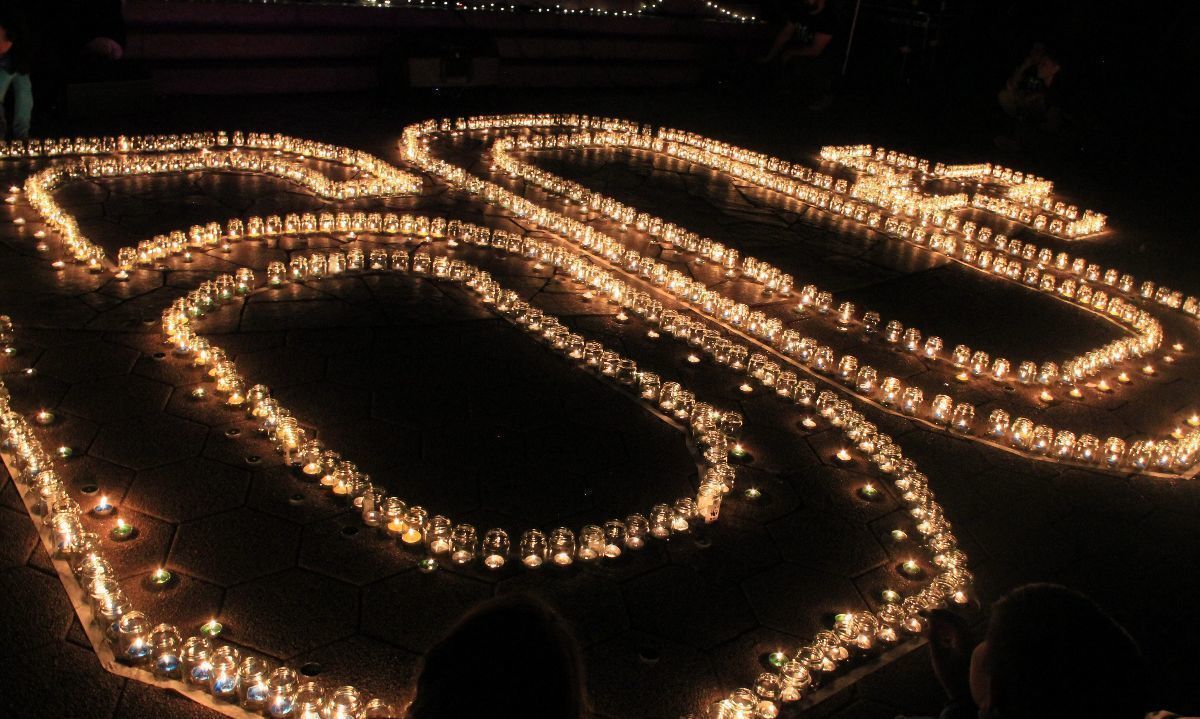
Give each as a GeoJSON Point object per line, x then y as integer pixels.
{"type": "Point", "coordinates": [591, 543]}
{"type": "Point", "coordinates": [223, 680]}
{"type": "Point", "coordinates": [562, 546]}
{"type": "Point", "coordinates": [463, 544]}
{"type": "Point", "coordinates": [614, 538]}
{"type": "Point", "coordinates": [342, 703]}
{"type": "Point", "coordinates": [437, 535]}
{"type": "Point", "coordinates": [533, 548]}
{"type": "Point", "coordinates": [496, 546]}
{"type": "Point", "coordinates": [281, 692]}
{"type": "Point", "coordinates": [133, 637]}
{"type": "Point", "coordinates": [309, 699]}
{"type": "Point", "coordinates": [195, 660]}
{"type": "Point", "coordinates": [393, 513]}
{"type": "Point", "coordinates": [636, 530]}
{"type": "Point", "coordinates": [164, 649]}
{"type": "Point", "coordinates": [660, 520]}
{"type": "Point", "coordinates": [414, 525]}
{"type": "Point", "coordinates": [252, 688]}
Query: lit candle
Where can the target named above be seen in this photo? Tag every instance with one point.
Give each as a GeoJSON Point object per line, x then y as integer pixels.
{"type": "Point", "coordinates": [160, 577]}
{"type": "Point", "coordinates": [899, 535]}
{"type": "Point", "coordinates": [746, 388]}
{"type": "Point", "coordinates": [1045, 396]}
{"type": "Point", "coordinates": [1178, 347]}
{"type": "Point", "coordinates": [693, 359]}
{"type": "Point", "coordinates": [44, 417]}
{"type": "Point", "coordinates": [891, 596]}
{"type": "Point", "coordinates": [752, 493]}
{"type": "Point", "coordinates": [869, 491]}
{"type": "Point", "coordinates": [103, 508]}
{"type": "Point", "coordinates": [808, 423]}
{"type": "Point", "coordinates": [211, 628]}
{"type": "Point", "coordinates": [777, 659]}
{"type": "Point", "coordinates": [962, 377]}
{"type": "Point", "coordinates": [1075, 393]}
{"type": "Point", "coordinates": [1194, 420]}
{"type": "Point", "coordinates": [910, 568]}
{"type": "Point", "coordinates": [1123, 378]}
{"type": "Point", "coordinates": [395, 526]}
{"type": "Point", "coordinates": [1148, 370]}
{"type": "Point", "coordinates": [122, 531]}
{"type": "Point", "coordinates": [653, 334]}
{"type": "Point", "coordinates": [738, 450]}
{"type": "Point", "coordinates": [1104, 386]}
{"type": "Point", "coordinates": [843, 456]}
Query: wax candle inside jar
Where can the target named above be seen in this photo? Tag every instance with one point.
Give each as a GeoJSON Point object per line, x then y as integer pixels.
{"type": "Point", "coordinates": [103, 507]}
{"type": "Point", "coordinates": [414, 528]}
{"type": "Point", "coordinates": [122, 531]}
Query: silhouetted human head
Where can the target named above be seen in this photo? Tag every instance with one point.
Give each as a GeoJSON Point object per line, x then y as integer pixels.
{"type": "Point", "coordinates": [1052, 652]}
{"type": "Point", "coordinates": [510, 657]}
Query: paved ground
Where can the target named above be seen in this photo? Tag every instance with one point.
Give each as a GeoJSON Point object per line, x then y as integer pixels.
{"type": "Point", "coordinates": [425, 390]}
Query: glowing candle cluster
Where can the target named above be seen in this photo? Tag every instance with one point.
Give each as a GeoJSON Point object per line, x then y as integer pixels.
{"type": "Point", "coordinates": [886, 196]}
{"type": "Point", "coordinates": [999, 257]}
{"type": "Point", "coordinates": [196, 664]}
{"type": "Point", "coordinates": [714, 430]}
{"type": "Point", "coordinates": [274, 155]}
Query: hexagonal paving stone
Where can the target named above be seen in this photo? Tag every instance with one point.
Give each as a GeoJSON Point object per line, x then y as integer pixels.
{"type": "Point", "coordinates": [343, 548]}
{"type": "Point", "coordinates": [280, 614]}
{"type": "Point", "coordinates": [75, 363]}
{"type": "Point", "coordinates": [414, 610]}
{"type": "Point", "coordinates": [115, 398]}
{"type": "Point", "coordinates": [799, 600]}
{"type": "Point", "coordinates": [235, 546]}
{"type": "Point", "coordinates": [17, 538]}
{"type": "Point", "coordinates": [31, 624]}
{"type": "Point", "coordinates": [683, 605]}
{"type": "Point", "coordinates": [643, 675]}
{"type": "Point", "coordinates": [146, 442]}
{"type": "Point", "coordinates": [188, 489]}
{"type": "Point", "coordinates": [357, 661]}
{"type": "Point", "coordinates": [824, 539]}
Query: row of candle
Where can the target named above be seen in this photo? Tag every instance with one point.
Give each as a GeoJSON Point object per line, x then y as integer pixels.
{"type": "Point", "coordinates": [438, 534]}
{"type": "Point", "coordinates": [196, 663]}
{"type": "Point", "coordinates": [1027, 198]}
{"type": "Point", "coordinates": [774, 173]}
{"type": "Point", "coordinates": [411, 524]}
{"type": "Point", "coordinates": [772, 278]}
{"type": "Point", "coordinates": [855, 633]}
{"type": "Point", "coordinates": [277, 156]}
{"type": "Point", "coordinates": [1173, 455]}
{"type": "Point", "coordinates": [825, 654]}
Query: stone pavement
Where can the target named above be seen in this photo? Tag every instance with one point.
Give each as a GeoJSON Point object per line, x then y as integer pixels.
{"type": "Point", "coordinates": [424, 389]}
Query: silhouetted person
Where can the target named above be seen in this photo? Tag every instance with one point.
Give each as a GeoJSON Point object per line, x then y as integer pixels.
{"type": "Point", "coordinates": [510, 658]}
{"type": "Point", "coordinates": [1049, 653]}
{"type": "Point", "coordinates": [1032, 95]}
{"type": "Point", "coordinates": [808, 45]}
{"type": "Point", "coordinates": [15, 54]}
